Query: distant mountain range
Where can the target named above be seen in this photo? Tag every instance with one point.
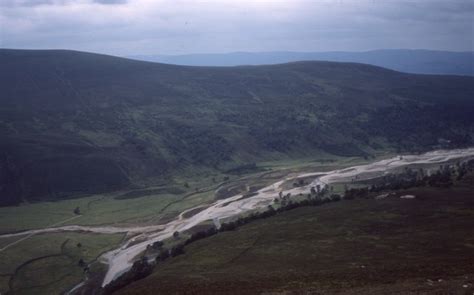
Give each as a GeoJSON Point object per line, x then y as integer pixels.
{"type": "Point", "coordinates": [404, 60]}
{"type": "Point", "coordinates": [76, 123]}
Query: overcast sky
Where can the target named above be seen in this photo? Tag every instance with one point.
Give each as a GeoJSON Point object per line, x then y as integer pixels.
{"type": "Point", "coordinates": [128, 27]}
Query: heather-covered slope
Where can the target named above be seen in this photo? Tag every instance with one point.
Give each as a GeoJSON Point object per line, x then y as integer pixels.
{"type": "Point", "coordinates": [73, 122]}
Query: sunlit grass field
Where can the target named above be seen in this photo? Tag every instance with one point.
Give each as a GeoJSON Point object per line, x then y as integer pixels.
{"type": "Point", "coordinates": [46, 264]}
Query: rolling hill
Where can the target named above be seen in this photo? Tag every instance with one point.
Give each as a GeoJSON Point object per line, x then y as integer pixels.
{"type": "Point", "coordinates": [404, 60]}
{"type": "Point", "coordinates": [74, 123]}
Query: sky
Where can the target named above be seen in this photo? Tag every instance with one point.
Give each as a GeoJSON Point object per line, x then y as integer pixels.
{"type": "Point", "coordinates": [132, 27]}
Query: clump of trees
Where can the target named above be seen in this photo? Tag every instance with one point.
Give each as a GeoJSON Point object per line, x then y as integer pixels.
{"type": "Point", "coordinates": [464, 168]}
{"type": "Point", "coordinates": [443, 177]}
{"type": "Point", "coordinates": [354, 193]}
{"type": "Point", "coordinates": [201, 235]}
{"type": "Point", "coordinates": [299, 183]}
{"type": "Point", "coordinates": [140, 269]}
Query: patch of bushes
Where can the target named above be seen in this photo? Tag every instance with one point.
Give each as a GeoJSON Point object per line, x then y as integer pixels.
{"type": "Point", "coordinates": [139, 270]}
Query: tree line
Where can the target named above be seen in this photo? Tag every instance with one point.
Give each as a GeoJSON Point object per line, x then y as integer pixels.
{"type": "Point", "coordinates": [318, 196]}
{"type": "Point", "coordinates": [142, 268]}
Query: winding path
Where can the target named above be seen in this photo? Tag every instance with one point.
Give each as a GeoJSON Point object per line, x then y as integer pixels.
{"type": "Point", "coordinates": [31, 233]}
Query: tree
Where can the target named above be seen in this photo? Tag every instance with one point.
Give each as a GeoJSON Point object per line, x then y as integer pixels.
{"type": "Point", "coordinates": [157, 245]}
{"type": "Point", "coordinates": [77, 211]}
{"type": "Point", "coordinates": [177, 250]}
{"type": "Point", "coordinates": [335, 197]}
{"type": "Point", "coordinates": [176, 235]}
{"type": "Point", "coordinates": [164, 254]}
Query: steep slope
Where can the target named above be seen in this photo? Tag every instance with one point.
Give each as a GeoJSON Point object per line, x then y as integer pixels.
{"type": "Point", "coordinates": [74, 122]}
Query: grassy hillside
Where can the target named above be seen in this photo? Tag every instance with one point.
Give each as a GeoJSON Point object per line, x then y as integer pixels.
{"type": "Point", "coordinates": [75, 123]}
{"type": "Point", "coordinates": [361, 246]}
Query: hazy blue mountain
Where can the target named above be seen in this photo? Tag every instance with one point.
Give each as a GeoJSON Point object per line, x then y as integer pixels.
{"type": "Point", "coordinates": [410, 61]}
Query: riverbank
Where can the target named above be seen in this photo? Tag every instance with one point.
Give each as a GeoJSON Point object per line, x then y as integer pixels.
{"type": "Point", "coordinates": [361, 246]}
{"type": "Point", "coordinates": [140, 237]}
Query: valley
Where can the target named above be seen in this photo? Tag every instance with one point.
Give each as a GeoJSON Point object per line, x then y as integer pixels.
{"type": "Point", "coordinates": [272, 147]}
{"type": "Point", "coordinates": [103, 158]}
{"type": "Point", "coordinates": [137, 238]}
{"type": "Point", "coordinates": [94, 124]}
{"type": "Point", "coordinates": [113, 213]}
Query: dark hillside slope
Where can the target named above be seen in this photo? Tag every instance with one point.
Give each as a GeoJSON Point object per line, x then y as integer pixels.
{"type": "Point", "coordinates": [74, 122]}
{"type": "Point", "coordinates": [363, 246]}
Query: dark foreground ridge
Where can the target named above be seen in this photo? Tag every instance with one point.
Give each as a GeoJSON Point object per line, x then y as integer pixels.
{"type": "Point", "coordinates": [390, 186]}
{"type": "Point", "coordinates": [366, 244]}
{"type": "Point", "coordinates": [76, 123]}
